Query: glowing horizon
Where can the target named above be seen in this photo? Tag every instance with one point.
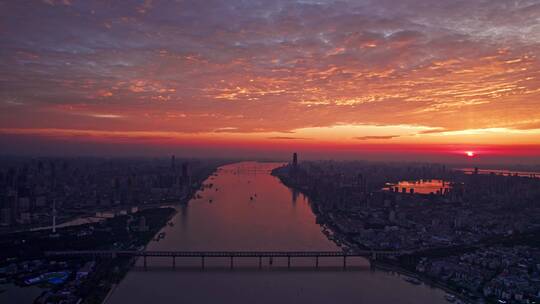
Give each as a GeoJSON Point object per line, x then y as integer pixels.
{"type": "Point", "coordinates": [416, 75]}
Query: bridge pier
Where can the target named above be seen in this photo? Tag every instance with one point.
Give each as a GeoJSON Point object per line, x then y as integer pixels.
{"type": "Point", "coordinates": [144, 261]}
{"type": "Point", "coordinates": [260, 262]}
{"type": "Point", "coordinates": [232, 265]}
{"type": "Point", "coordinates": [289, 261]}
{"type": "Point", "coordinates": [202, 261]}
{"type": "Point", "coordinates": [344, 262]}
{"type": "Point", "coordinates": [174, 262]}
{"type": "Point", "coordinates": [317, 262]}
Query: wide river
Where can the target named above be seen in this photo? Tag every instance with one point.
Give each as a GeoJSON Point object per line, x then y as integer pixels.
{"type": "Point", "coordinates": [249, 209]}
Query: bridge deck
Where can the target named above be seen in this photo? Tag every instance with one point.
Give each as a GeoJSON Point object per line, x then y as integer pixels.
{"type": "Point", "coordinates": [220, 253]}
{"type": "Point", "coordinates": [224, 254]}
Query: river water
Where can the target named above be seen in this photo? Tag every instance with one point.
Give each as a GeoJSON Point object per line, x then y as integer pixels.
{"type": "Point", "coordinates": [249, 209]}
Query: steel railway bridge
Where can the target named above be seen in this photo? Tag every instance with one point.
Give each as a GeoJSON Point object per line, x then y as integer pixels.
{"type": "Point", "coordinates": [370, 254]}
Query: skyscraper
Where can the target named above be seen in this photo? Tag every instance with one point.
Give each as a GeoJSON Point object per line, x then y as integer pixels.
{"type": "Point", "coordinates": [185, 170]}
{"type": "Point", "coordinates": [295, 160]}
{"type": "Point", "coordinates": [185, 174]}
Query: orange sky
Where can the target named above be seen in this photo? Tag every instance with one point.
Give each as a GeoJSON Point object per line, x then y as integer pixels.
{"type": "Point", "coordinates": [434, 75]}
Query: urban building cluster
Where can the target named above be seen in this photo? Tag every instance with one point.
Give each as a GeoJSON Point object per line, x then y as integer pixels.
{"type": "Point", "coordinates": [503, 274]}
{"type": "Point", "coordinates": [98, 204]}
{"type": "Point", "coordinates": [24, 261]}
{"type": "Point", "coordinates": [63, 278]}
{"type": "Point", "coordinates": [33, 191]}
{"type": "Point", "coordinates": [364, 206]}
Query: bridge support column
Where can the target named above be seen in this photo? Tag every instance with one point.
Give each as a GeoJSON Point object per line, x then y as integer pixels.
{"type": "Point", "coordinates": [174, 262]}
{"type": "Point", "coordinates": [202, 262]}
{"type": "Point", "coordinates": [344, 262]}
{"type": "Point", "coordinates": [317, 262]}
{"type": "Point", "coordinates": [232, 265]}
{"type": "Point", "coordinates": [260, 262]}
{"type": "Point", "coordinates": [144, 262]}
{"type": "Point", "coordinates": [289, 261]}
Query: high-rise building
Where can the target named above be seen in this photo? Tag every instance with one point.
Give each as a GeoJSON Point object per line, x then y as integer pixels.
{"type": "Point", "coordinates": [295, 160]}
{"type": "Point", "coordinates": [361, 182]}
{"type": "Point", "coordinates": [5, 216]}
{"type": "Point", "coordinates": [185, 174]}
{"type": "Point", "coordinates": [184, 170]}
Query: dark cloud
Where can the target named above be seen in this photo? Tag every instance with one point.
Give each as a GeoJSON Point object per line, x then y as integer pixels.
{"type": "Point", "coordinates": [288, 138]}
{"type": "Point", "coordinates": [376, 137]}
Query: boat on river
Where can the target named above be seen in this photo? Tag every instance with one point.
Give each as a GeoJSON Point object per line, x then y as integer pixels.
{"type": "Point", "coordinates": [160, 236]}
{"type": "Point", "coordinates": [412, 280]}
{"type": "Point", "coordinates": [450, 298]}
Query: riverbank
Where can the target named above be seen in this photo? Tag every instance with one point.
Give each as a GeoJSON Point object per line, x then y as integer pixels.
{"type": "Point", "coordinates": [393, 265]}
{"type": "Point", "coordinates": [155, 232]}
{"type": "Point", "coordinates": [92, 217]}
{"type": "Point", "coordinates": [24, 264]}
{"type": "Point", "coordinates": [385, 266]}
{"type": "Point", "coordinates": [92, 281]}
{"type": "Point", "coordinates": [274, 220]}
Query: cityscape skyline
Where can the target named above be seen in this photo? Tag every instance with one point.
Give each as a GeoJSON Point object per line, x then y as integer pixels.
{"type": "Point", "coordinates": [65, 221]}
{"type": "Point", "coordinates": [270, 151]}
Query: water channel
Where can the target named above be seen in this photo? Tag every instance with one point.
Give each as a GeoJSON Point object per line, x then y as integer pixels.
{"type": "Point", "coordinates": [246, 208]}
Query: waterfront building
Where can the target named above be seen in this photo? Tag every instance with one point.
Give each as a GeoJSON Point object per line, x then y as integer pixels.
{"type": "Point", "coordinates": [142, 224]}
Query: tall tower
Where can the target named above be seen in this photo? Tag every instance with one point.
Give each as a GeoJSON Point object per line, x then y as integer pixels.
{"type": "Point", "coordinates": [293, 171]}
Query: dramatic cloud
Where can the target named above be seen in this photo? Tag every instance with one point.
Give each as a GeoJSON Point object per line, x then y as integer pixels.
{"type": "Point", "coordinates": [423, 70]}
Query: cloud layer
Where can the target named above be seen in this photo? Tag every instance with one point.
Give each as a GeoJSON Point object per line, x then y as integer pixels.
{"type": "Point", "coordinates": [412, 71]}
